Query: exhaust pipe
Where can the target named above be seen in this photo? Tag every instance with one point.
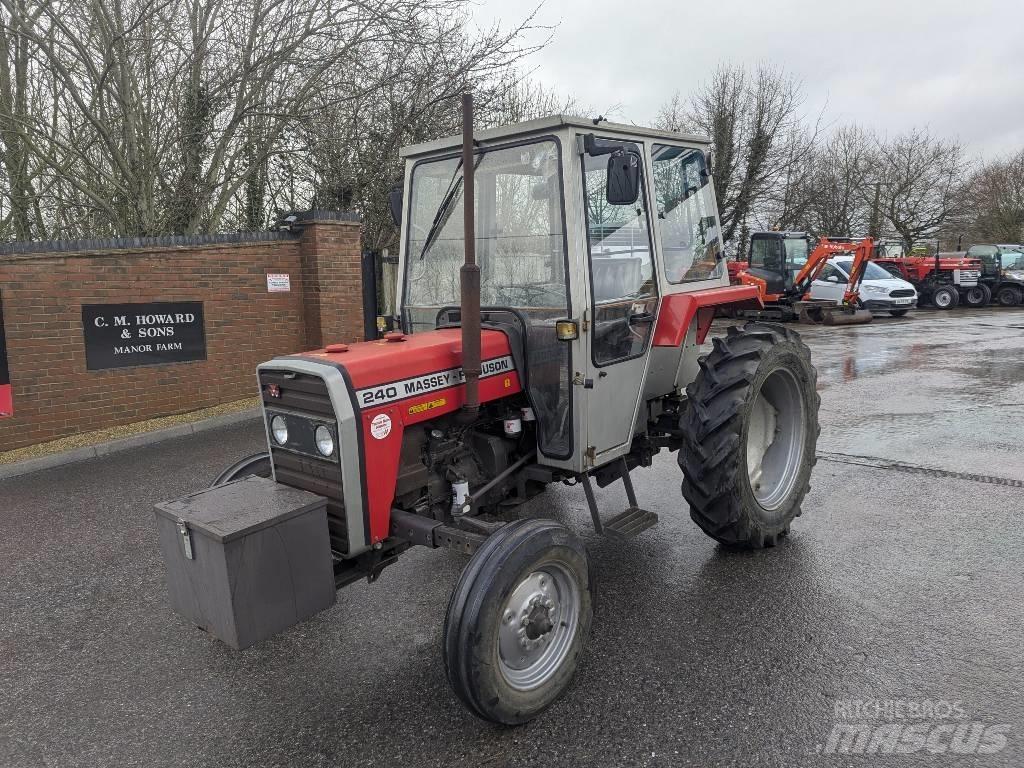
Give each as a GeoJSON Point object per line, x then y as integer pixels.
{"type": "Point", "coordinates": [469, 274]}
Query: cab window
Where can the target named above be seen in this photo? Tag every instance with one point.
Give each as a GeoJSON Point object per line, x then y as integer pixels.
{"type": "Point", "coordinates": [988, 254]}
{"type": "Point", "coordinates": [767, 253]}
{"type": "Point", "coordinates": [686, 220]}
{"type": "Point", "coordinates": [621, 268]}
{"type": "Point", "coordinates": [982, 250]}
{"type": "Point", "coordinates": [1012, 260]}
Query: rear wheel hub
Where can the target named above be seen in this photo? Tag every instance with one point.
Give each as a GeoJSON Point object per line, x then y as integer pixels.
{"type": "Point", "coordinates": [775, 439]}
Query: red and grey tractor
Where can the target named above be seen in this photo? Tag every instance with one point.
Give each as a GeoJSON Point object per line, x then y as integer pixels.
{"type": "Point", "coordinates": [557, 280]}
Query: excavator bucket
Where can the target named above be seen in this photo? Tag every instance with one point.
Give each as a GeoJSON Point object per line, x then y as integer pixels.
{"type": "Point", "coordinates": [847, 316]}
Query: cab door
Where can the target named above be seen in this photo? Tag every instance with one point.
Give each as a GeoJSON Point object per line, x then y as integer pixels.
{"type": "Point", "coordinates": [623, 303]}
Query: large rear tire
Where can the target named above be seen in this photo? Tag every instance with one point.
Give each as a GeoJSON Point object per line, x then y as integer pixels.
{"type": "Point", "coordinates": [517, 621]}
{"type": "Point", "coordinates": [750, 430]}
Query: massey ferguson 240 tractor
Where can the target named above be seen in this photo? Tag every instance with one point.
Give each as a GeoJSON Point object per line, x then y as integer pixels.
{"type": "Point", "coordinates": [557, 280]}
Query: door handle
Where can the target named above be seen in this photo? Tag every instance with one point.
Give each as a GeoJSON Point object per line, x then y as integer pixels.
{"type": "Point", "coordinates": [639, 318]}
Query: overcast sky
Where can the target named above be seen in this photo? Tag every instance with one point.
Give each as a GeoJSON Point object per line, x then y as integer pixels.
{"type": "Point", "coordinates": [957, 67]}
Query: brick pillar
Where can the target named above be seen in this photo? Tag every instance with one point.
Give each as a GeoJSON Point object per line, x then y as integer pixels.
{"type": "Point", "coordinates": [331, 245]}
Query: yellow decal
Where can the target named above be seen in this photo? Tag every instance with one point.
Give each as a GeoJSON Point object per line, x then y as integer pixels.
{"type": "Point", "coordinates": [421, 407]}
{"type": "Point", "coordinates": [508, 383]}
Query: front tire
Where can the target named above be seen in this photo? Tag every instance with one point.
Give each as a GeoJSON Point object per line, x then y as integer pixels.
{"type": "Point", "coordinates": [978, 296]}
{"type": "Point", "coordinates": [945, 297]}
{"type": "Point", "coordinates": [517, 621]}
{"type": "Point", "coordinates": [258, 464]}
{"type": "Point", "coordinates": [750, 430]}
{"type": "Point", "coordinates": [1008, 296]}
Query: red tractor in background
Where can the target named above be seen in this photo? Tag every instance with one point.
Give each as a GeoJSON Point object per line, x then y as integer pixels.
{"type": "Point", "coordinates": [942, 279]}
{"type": "Point", "coordinates": [552, 337]}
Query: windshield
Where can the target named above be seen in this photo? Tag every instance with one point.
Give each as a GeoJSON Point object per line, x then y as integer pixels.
{"type": "Point", "coordinates": [1012, 260]}
{"type": "Point", "coordinates": [520, 241]}
{"type": "Point", "coordinates": [871, 270]}
{"type": "Point", "coordinates": [520, 247]}
{"type": "Point", "coordinates": [796, 252]}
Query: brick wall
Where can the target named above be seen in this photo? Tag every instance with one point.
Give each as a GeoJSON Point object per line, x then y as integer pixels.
{"type": "Point", "coordinates": [332, 278]}
{"type": "Point", "coordinates": [54, 395]}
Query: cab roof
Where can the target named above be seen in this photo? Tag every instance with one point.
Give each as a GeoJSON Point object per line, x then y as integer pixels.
{"type": "Point", "coordinates": [549, 124]}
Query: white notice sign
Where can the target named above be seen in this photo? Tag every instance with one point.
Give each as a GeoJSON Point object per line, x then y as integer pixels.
{"type": "Point", "coordinates": [278, 282]}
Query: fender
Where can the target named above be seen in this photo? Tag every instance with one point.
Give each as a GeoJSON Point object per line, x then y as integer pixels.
{"type": "Point", "coordinates": [679, 309]}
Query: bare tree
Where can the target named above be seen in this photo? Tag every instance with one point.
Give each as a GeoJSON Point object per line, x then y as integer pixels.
{"type": "Point", "coordinates": [17, 91]}
{"type": "Point", "coordinates": [920, 183]}
{"type": "Point", "coordinates": [355, 143]}
{"type": "Point", "coordinates": [842, 187]}
{"type": "Point", "coordinates": [753, 119]}
{"type": "Point", "coordinates": [994, 202]}
{"type": "Point", "coordinates": [191, 115]}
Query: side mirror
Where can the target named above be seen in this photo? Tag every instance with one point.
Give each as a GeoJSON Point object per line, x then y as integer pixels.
{"type": "Point", "coordinates": [623, 187]}
{"type": "Point", "coordinates": [395, 203]}
{"type": "Point", "coordinates": [832, 279]}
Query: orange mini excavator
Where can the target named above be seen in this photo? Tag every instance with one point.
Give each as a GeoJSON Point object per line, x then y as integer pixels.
{"type": "Point", "coordinates": [783, 265]}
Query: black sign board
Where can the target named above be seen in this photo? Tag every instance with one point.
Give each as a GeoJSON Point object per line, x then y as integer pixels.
{"type": "Point", "coordinates": [123, 335]}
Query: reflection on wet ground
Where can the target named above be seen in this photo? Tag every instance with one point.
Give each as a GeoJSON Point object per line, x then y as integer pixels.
{"type": "Point", "coordinates": [942, 390]}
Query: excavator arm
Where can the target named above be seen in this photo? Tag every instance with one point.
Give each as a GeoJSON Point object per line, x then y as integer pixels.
{"type": "Point", "coordinates": [862, 254]}
{"type": "Point", "coordinates": [818, 258]}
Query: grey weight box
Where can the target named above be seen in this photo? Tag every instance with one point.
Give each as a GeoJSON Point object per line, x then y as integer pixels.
{"type": "Point", "coordinates": [247, 559]}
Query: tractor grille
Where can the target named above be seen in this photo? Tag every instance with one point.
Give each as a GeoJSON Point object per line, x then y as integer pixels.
{"type": "Point", "coordinates": [302, 393]}
{"type": "Point", "coordinates": [901, 292]}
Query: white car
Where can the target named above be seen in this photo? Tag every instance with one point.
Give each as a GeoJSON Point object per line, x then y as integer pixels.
{"type": "Point", "coordinates": [879, 290]}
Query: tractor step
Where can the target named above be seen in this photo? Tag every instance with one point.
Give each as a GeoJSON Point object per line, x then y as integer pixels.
{"type": "Point", "coordinates": [628, 524]}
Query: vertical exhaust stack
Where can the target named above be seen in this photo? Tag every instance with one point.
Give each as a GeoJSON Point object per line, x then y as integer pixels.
{"type": "Point", "coordinates": [469, 275]}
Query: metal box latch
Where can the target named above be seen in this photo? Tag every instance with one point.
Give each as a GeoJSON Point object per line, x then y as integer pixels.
{"type": "Point", "coordinates": [186, 539]}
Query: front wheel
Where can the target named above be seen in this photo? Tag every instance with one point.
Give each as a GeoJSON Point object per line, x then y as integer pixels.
{"type": "Point", "coordinates": [1008, 296]}
{"type": "Point", "coordinates": [517, 621]}
{"type": "Point", "coordinates": [750, 431]}
{"type": "Point", "coordinates": [258, 464]}
{"type": "Point", "coordinates": [945, 297]}
{"type": "Point", "coordinates": [978, 296]}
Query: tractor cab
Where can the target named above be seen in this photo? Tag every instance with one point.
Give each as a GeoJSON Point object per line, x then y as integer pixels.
{"type": "Point", "coordinates": [998, 259]}
{"type": "Point", "coordinates": [778, 257]}
{"type": "Point", "coordinates": [582, 232]}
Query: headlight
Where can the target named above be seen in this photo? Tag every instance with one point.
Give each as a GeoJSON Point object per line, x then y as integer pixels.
{"type": "Point", "coordinates": [875, 289]}
{"type": "Point", "coordinates": [324, 441]}
{"type": "Point", "coordinates": [279, 429]}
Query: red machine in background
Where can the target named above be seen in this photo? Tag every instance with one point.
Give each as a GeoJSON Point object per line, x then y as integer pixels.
{"type": "Point", "coordinates": [939, 279]}
{"type": "Point", "coordinates": [783, 265]}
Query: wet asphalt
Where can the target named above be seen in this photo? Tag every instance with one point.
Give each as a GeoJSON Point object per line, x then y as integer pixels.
{"type": "Point", "coordinates": [902, 582]}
